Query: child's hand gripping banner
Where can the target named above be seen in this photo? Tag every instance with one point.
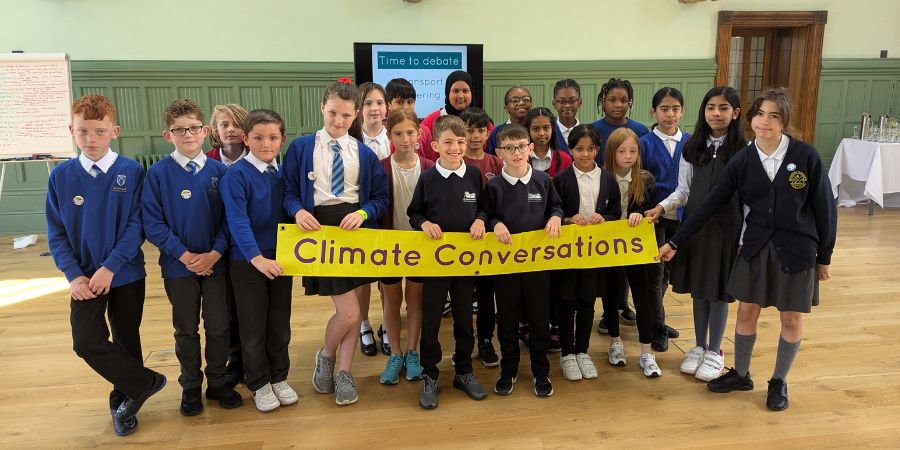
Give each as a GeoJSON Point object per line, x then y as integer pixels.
{"type": "Point", "coordinates": [335, 252]}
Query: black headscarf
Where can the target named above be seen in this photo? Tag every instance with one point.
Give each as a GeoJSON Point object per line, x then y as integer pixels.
{"type": "Point", "coordinates": [458, 75]}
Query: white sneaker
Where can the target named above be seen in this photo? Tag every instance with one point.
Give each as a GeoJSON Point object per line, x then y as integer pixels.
{"type": "Point", "coordinates": [648, 363]}
{"type": "Point", "coordinates": [265, 399]}
{"type": "Point", "coordinates": [586, 366]}
{"type": "Point", "coordinates": [285, 394]}
{"type": "Point", "coordinates": [570, 367]}
{"type": "Point", "coordinates": [617, 353]}
{"type": "Point", "coordinates": [692, 360]}
{"type": "Point", "coordinates": [712, 366]}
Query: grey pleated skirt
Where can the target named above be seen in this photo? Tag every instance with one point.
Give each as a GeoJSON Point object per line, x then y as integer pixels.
{"type": "Point", "coordinates": [761, 281]}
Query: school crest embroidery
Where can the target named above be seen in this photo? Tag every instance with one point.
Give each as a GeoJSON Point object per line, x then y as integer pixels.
{"type": "Point", "coordinates": [214, 181]}
{"type": "Point", "coordinates": [120, 184]}
{"type": "Point", "coordinates": [797, 180]}
{"type": "Point", "coordinates": [469, 197]}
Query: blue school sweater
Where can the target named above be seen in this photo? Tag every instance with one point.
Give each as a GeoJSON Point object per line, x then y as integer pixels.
{"type": "Point", "coordinates": [796, 210]}
{"type": "Point", "coordinates": [605, 129]}
{"type": "Point", "coordinates": [492, 139]}
{"type": "Point", "coordinates": [664, 168]}
{"type": "Point", "coordinates": [184, 212]}
{"type": "Point", "coordinates": [253, 206]}
{"type": "Point", "coordinates": [96, 222]}
{"type": "Point", "coordinates": [298, 187]}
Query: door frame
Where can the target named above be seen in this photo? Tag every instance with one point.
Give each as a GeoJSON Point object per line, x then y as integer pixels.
{"type": "Point", "coordinates": [808, 29]}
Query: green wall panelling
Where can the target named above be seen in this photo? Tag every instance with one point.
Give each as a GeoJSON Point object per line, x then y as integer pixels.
{"type": "Point", "coordinates": [849, 87]}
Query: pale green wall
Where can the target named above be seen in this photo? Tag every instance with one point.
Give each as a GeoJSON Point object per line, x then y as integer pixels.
{"type": "Point", "coordinates": [523, 30]}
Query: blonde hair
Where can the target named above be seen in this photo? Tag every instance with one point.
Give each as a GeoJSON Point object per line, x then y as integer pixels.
{"type": "Point", "coordinates": [237, 114]}
{"type": "Point", "coordinates": [636, 189]}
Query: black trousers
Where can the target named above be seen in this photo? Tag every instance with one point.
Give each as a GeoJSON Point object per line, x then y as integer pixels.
{"type": "Point", "coordinates": [434, 295]}
{"type": "Point", "coordinates": [486, 317]}
{"type": "Point", "coordinates": [193, 298]}
{"type": "Point", "coordinates": [121, 361]}
{"type": "Point", "coordinates": [665, 229]}
{"type": "Point", "coordinates": [515, 293]}
{"type": "Point", "coordinates": [644, 281]}
{"type": "Point", "coordinates": [555, 301]}
{"type": "Point", "coordinates": [235, 357]}
{"type": "Point", "coordinates": [576, 314]}
{"type": "Point", "coordinates": [264, 313]}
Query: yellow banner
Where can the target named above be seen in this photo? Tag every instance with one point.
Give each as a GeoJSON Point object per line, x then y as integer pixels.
{"type": "Point", "coordinates": [389, 253]}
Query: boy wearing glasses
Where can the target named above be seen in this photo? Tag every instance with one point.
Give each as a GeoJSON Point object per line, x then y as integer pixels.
{"type": "Point", "coordinates": [94, 230]}
{"type": "Point", "coordinates": [517, 102]}
{"type": "Point", "coordinates": [522, 199]}
{"type": "Point", "coordinates": [184, 216]}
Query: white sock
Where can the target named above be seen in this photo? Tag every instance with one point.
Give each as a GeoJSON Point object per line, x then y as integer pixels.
{"type": "Point", "coordinates": [367, 338]}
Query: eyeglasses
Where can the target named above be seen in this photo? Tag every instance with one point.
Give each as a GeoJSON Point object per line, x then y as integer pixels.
{"type": "Point", "coordinates": [567, 101]}
{"type": "Point", "coordinates": [521, 148]}
{"type": "Point", "coordinates": [183, 131]}
{"type": "Point", "coordinates": [517, 100]}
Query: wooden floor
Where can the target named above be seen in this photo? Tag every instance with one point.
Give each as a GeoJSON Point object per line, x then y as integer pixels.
{"type": "Point", "coordinates": [844, 387]}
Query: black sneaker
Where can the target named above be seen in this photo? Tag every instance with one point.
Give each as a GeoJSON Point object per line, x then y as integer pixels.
{"type": "Point", "coordinates": [131, 406]}
{"type": "Point", "coordinates": [368, 349]}
{"type": "Point", "coordinates": [385, 346]}
{"type": "Point", "coordinates": [777, 399]}
{"type": "Point", "coordinates": [234, 371]}
{"type": "Point", "coordinates": [731, 381]}
{"type": "Point", "coordinates": [627, 316]}
{"type": "Point", "coordinates": [470, 386]}
{"type": "Point", "coordinates": [660, 341]}
{"type": "Point", "coordinates": [428, 399]}
{"type": "Point", "coordinates": [542, 387]}
{"type": "Point", "coordinates": [504, 385]}
{"type": "Point", "coordinates": [555, 345]}
{"type": "Point", "coordinates": [191, 402]}
{"type": "Point", "coordinates": [601, 326]}
{"type": "Point", "coordinates": [227, 397]}
{"type": "Point", "coordinates": [486, 353]}
{"type": "Point", "coordinates": [525, 336]}
{"type": "Point", "coordinates": [123, 427]}
{"type": "Point", "coordinates": [672, 333]}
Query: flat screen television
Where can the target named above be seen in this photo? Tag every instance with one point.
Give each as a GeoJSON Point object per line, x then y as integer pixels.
{"type": "Point", "coordinates": [426, 66]}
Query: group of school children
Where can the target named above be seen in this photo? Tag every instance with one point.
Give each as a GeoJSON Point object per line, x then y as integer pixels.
{"type": "Point", "coordinates": [760, 212]}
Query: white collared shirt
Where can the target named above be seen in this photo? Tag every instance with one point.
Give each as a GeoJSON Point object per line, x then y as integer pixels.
{"type": "Point", "coordinates": [624, 183]}
{"type": "Point", "coordinates": [669, 141]}
{"type": "Point", "coordinates": [771, 164]}
{"type": "Point", "coordinates": [199, 160]}
{"type": "Point", "coordinates": [566, 130]}
{"type": "Point", "coordinates": [460, 171]}
{"type": "Point", "coordinates": [227, 161]}
{"type": "Point", "coordinates": [103, 163]}
{"type": "Point", "coordinates": [322, 160]}
{"type": "Point", "coordinates": [679, 196]}
{"type": "Point", "coordinates": [259, 164]}
{"type": "Point", "coordinates": [378, 143]}
{"type": "Point", "coordinates": [513, 180]}
{"type": "Point", "coordinates": [404, 182]}
{"type": "Point", "coordinates": [542, 164]}
{"type": "Point", "coordinates": [588, 190]}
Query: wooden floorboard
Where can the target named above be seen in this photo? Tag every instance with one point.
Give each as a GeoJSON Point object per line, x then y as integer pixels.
{"type": "Point", "coordinates": [844, 386]}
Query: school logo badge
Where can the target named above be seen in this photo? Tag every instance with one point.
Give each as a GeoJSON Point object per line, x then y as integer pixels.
{"type": "Point", "coordinates": [78, 200]}
{"type": "Point", "coordinates": [791, 167]}
{"type": "Point", "coordinates": [120, 184]}
{"type": "Point", "coordinates": [797, 180]}
{"type": "Point", "coordinates": [186, 194]}
{"type": "Point", "coordinates": [214, 181]}
{"type": "Point", "coordinates": [535, 197]}
{"type": "Point", "coordinates": [469, 197]}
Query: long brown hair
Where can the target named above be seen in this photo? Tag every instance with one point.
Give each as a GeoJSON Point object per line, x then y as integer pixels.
{"type": "Point", "coordinates": [636, 189]}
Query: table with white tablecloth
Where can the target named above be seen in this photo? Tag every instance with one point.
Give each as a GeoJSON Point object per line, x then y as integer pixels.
{"type": "Point", "coordinates": [866, 171]}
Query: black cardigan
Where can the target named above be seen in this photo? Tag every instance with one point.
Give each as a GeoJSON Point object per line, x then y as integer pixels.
{"type": "Point", "coordinates": [796, 210]}
{"type": "Point", "coordinates": [609, 201]}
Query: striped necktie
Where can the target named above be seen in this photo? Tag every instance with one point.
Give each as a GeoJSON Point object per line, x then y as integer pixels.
{"type": "Point", "coordinates": [337, 170]}
{"type": "Point", "coordinates": [95, 171]}
{"type": "Point", "coordinates": [191, 168]}
{"type": "Point", "coordinates": [271, 169]}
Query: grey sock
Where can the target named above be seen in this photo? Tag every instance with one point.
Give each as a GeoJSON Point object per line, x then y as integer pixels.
{"type": "Point", "coordinates": [718, 317]}
{"type": "Point", "coordinates": [787, 351]}
{"type": "Point", "coordinates": [743, 350]}
{"type": "Point", "coordinates": [701, 320]}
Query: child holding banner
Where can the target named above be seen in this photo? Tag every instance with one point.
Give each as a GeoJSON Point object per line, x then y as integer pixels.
{"type": "Point", "coordinates": [403, 169]}
{"type": "Point", "coordinates": [589, 196]}
{"type": "Point", "coordinates": [334, 179]}
{"type": "Point", "coordinates": [787, 244]}
{"type": "Point", "coordinates": [522, 199]}
{"type": "Point", "coordinates": [448, 198]}
{"type": "Point", "coordinates": [638, 194]}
